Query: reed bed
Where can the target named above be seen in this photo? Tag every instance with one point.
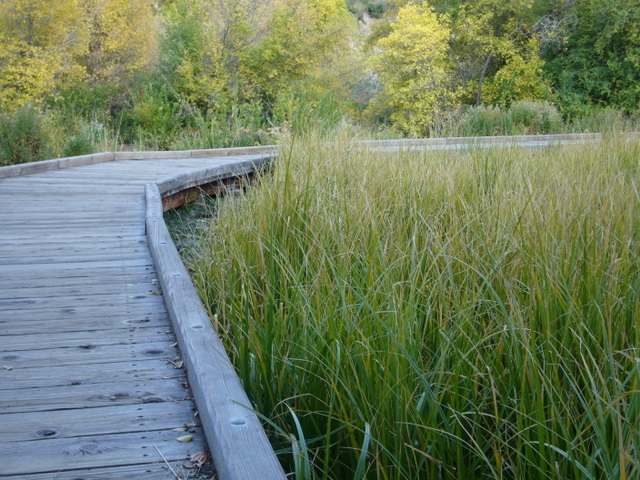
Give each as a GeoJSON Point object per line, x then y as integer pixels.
{"type": "Point", "coordinates": [454, 315]}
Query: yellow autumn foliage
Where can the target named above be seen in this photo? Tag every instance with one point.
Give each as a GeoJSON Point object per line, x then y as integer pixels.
{"type": "Point", "coordinates": [122, 38]}
{"type": "Point", "coordinates": [414, 67]}
{"type": "Point", "coordinates": [38, 40]}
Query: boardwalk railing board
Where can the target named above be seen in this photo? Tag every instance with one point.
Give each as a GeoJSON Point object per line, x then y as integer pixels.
{"type": "Point", "coordinates": [239, 445]}
{"type": "Point", "coordinates": [59, 163]}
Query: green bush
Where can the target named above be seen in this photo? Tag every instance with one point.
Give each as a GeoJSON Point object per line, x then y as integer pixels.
{"type": "Point", "coordinates": [523, 117]}
{"type": "Point", "coordinates": [485, 120]}
{"type": "Point", "coordinates": [535, 117]}
{"type": "Point", "coordinates": [599, 119]}
{"type": "Point", "coordinates": [229, 124]}
{"type": "Point", "coordinates": [78, 145]}
{"type": "Point", "coordinates": [22, 137]}
{"type": "Point", "coordinates": [153, 119]}
{"type": "Point", "coordinates": [78, 98]}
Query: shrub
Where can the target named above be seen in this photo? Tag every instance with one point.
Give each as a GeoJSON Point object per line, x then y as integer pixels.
{"type": "Point", "coordinates": [154, 118]}
{"type": "Point", "coordinates": [535, 117]}
{"type": "Point", "coordinates": [524, 117]}
{"type": "Point", "coordinates": [229, 124]}
{"type": "Point", "coordinates": [598, 119]}
{"type": "Point", "coordinates": [22, 137]}
{"type": "Point", "coordinates": [485, 120]}
{"type": "Point", "coordinates": [78, 145]}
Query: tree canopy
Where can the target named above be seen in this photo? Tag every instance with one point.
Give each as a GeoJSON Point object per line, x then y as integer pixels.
{"type": "Point", "coordinates": [164, 70]}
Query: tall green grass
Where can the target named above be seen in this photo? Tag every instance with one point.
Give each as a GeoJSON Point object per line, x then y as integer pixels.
{"type": "Point", "coordinates": [437, 314]}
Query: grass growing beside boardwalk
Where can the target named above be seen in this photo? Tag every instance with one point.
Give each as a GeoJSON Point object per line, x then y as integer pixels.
{"type": "Point", "coordinates": [438, 315]}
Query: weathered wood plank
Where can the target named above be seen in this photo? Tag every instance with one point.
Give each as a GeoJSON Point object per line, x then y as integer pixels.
{"type": "Point", "coordinates": [83, 241]}
{"type": "Point", "coordinates": [116, 336]}
{"type": "Point", "coordinates": [61, 309]}
{"type": "Point", "coordinates": [93, 267]}
{"type": "Point", "coordinates": [21, 427]}
{"type": "Point", "coordinates": [98, 298]}
{"type": "Point", "coordinates": [54, 375]}
{"type": "Point", "coordinates": [125, 392]}
{"type": "Point", "coordinates": [67, 271]}
{"type": "Point", "coordinates": [128, 278]}
{"type": "Point", "coordinates": [103, 324]}
{"type": "Point", "coordinates": [106, 289]}
{"type": "Point", "coordinates": [87, 353]}
{"type": "Point", "coordinates": [37, 258]}
{"type": "Point", "coordinates": [151, 471]}
{"type": "Point", "coordinates": [92, 451]}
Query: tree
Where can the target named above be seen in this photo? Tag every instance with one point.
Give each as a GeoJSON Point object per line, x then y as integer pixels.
{"type": "Point", "coordinates": [415, 69]}
{"type": "Point", "coordinates": [38, 39]}
{"type": "Point", "coordinates": [191, 53]}
{"type": "Point", "coordinates": [122, 38]}
{"type": "Point", "coordinates": [522, 77]}
{"type": "Point", "coordinates": [495, 45]}
{"type": "Point", "coordinates": [301, 39]}
{"type": "Point", "coordinates": [599, 60]}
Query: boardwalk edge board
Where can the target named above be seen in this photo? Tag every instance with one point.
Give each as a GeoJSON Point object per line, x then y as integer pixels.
{"type": "Point", "coordinates": [59, 163]}
{"type": "Point", "coordinates": [238, 443]}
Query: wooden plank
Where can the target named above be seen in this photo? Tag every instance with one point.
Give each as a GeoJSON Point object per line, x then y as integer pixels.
{"type": "Point", "coordinates": [22, 427]}
{"type": "Point", "coordinates": [151, 471]}
{"type": "Point", "coordinates": [47, 165]}
{"type": "Point", "coordinates": [82, 241]}
{"type": "Point", "coordinates": [96, 324]}
{"type": "Point", "coordinates": [54, 375]}
{"type": "Point", "coordinates": [88, 353]}
{"type": "Point", "coordinates": [71, 220]}
{"type": "Point", "coordinates": [116, 336]}
{"type": "Point", "coordinates": [31, 257]}
{"type": "Point", "coordinates": [127, 278]}
{"type": "Point", "coordinates": [125, 392]}
{"type": "Point", "coordinates": [49, 233]}
{"type": "Point", "coordinates": [105, 289]}
{"type": "Point", "coordinates": [72, 308]}
{"type": "Point", "coordinates": [9, 269]}
{"type": "Point", "coordinates": [23, 458]}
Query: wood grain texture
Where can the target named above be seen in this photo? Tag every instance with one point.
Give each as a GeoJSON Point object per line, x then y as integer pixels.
{"type": "Point", "coordinates": [114, 419]}
{"type": "Point", "coordinates": [126, 392]}
{"type": "Point", "coordinates": [152, 471]}
{"type": "Point", "coordinates": [23, 458]}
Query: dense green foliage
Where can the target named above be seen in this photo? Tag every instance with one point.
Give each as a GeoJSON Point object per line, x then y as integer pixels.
{"type": "Point", "coordinates": [206, 73]}
{"type": "Point", "coordinates": [438, 314]}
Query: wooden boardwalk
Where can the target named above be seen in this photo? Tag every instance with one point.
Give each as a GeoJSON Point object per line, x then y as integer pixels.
{"type": "Point", "coordinates": [91, 381]}
{"type": "Point", "coordinates": [92, 386]}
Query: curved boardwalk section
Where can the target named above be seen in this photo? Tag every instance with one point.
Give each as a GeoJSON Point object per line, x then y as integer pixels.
{"type": "Point", "coordinates": [92, 385]}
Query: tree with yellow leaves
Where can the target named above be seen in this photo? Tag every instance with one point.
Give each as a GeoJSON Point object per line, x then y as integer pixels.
{"type": "Point", "coordinates": [38, 39]}
{"type": "Point", "coordinates": [302, 37]}
{"type": "Point", "coordinates": [414, 68]}
{"type": "Point", "coordinates": [122, 38]}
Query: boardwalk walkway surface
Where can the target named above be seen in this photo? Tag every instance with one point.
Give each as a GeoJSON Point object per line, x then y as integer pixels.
{"type": "Point", "coordinates": [90, 380]}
